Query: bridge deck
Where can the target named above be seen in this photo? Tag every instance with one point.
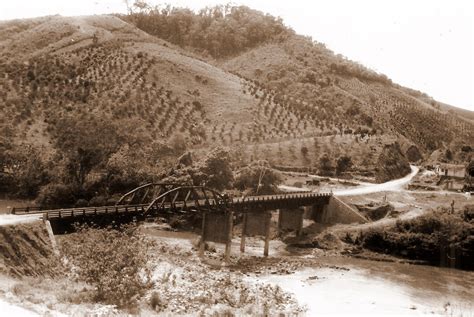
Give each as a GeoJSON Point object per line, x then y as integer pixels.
{"type": "Point", "coordinates": [251, 203]}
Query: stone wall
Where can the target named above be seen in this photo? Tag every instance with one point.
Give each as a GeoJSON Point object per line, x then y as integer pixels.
{"type": "Point", "coordinates": [337, 211]}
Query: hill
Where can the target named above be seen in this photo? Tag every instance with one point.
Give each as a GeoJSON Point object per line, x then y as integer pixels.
{"type": "Point", "coordinates": [115, 99]}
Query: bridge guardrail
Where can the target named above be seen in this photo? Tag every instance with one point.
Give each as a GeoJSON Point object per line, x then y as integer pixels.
{"type": "Point", "coordinates": [250, 201]}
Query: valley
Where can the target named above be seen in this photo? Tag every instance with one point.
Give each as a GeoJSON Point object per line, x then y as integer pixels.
{"type": "Point", "coordinates": [215, 162]}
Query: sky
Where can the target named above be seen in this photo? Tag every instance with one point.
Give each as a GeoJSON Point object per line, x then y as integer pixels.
{"type": "Point", "coordinates": [422, 44]}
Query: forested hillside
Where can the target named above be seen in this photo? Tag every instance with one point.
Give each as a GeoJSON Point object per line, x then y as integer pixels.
{"type": "Point", "coordinates": [104, 103]}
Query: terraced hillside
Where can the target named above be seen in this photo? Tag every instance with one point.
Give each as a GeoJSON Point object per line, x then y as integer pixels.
{"type": "Point", "coordinates": [104, 68]}
{"type": "Point", "coordinates": [88, 99]}
{"type": "Point", "coordinates": [327, 93]}
{"type": "Point", "coordinates": [343, 96]}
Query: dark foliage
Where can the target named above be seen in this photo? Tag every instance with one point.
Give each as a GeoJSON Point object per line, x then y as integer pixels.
{"type": "Point", "coordinates": [218, 31]}
{"type": "Point", "coordinates": [438, 238]}
{"type": "Point", "coordinates": [392, 163]}
{"type": "Point", "coordinates": [258, 178]}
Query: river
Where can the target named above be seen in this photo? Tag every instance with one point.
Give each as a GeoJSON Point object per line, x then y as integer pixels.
{"type": "Point", "coordinates": [356, 287]}
{"type": "Point", "coordinates": [345, 286]}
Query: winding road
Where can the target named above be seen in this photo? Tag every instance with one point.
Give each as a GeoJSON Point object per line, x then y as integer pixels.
{"type": "Point", "coordinates": [395, 185]}
{"type": "Point", "coordinates": [364, 188]}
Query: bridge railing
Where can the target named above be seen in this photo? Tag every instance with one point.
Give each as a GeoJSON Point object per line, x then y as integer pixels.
{"type": "Point", "coordinates": [26, 210]}
{"type": "Point", "coordinates": [241, 203]}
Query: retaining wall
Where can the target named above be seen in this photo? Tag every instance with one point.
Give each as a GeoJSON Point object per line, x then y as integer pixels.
{"type": "Point", "coordinates": [337, 211]}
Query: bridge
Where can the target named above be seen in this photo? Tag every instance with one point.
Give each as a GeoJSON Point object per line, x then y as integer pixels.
{"type": "Point", "coordinates": [217, 211]}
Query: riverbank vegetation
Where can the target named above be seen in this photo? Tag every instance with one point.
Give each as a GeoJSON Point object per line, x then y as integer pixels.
{"type": "Point", "coordinates": [440, 237]}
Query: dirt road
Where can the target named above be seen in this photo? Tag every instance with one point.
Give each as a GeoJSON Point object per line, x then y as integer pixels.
{"type": "Point", "coordinates": [395, 185]}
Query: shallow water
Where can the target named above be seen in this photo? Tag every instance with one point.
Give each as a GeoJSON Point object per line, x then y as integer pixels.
{"type": "Point", "coordinates": [345, 286]}
{"type": "Point", "coordinates": [379, 288]}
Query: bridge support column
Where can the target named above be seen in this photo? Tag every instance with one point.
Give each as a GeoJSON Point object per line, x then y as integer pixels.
{"type": "Point", "coordinates": [268, 219]}
{"type": "Point", "coordinates": [291, 219]}
{"type": "Point", "coordinates": [217, 227]}
{"type": "Point", "coordinates": [202, 242]}
{"type": "Point", "coordinates": [244, 231]}
{"type": "Point", "coordinates": [229, 228]}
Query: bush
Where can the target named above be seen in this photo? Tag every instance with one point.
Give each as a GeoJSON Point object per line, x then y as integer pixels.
{"type": "Point", "coordinates": [392, 163]}
{"type": "Point", "coordinates": [56, 195]}
{"type": "Point", "coordinates": [98, 201]}
{"type": "Point", "coordinates": [343, 164]}
{"type": "Point", "coordinates": [468, 214]}
{"type": "Point", "coordinates": [437, 238]}
{"type": "Point", "coordinates": [298, 184]}
{"type": "Point", "coordinates": [81, 203]}
{"type": "Point", "coordinates": [155, 301]}
{"type": "Point", "coordinates": [113, 261]}
{"type": "Point", "coordinates": [325, 166]}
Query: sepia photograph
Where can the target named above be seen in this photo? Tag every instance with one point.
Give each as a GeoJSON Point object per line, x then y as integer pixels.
{"type": "Point", "coordinates": [244, 158]}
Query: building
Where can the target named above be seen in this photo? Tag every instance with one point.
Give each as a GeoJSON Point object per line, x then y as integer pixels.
{"type": "Point", "coordinates": [451, 170]}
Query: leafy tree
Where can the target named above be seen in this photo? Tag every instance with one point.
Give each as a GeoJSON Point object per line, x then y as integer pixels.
{"type": "Point", "coordinates": [259, 178]}
{"type": "Point", "coordinates": [218, 169]}
{"type": "Point", "coordinates": [178, 143]}
{"type": "Point", "coordinates": [448, 155]}
{"type": "Point", "coordinates": [85, 145]}
{"type": "Point", "coordinates": [304, 151]}
{"type": "Point", "coordinates": [219, 31]}
{"type": "Point", "coordinates": [325, 166]}
{"type": "Point", "coordinates": [22, 171]}
{"type": "Point", "coordinates": [343, 164]}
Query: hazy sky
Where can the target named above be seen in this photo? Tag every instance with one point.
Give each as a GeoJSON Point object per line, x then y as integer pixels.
{"type": "Point", "coordinates": [423, 44]}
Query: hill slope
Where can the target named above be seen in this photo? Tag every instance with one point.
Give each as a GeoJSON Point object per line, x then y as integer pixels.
{"type": "Point", "coordinates": [326, 92]}
{"type": "Point", "coordinates": [278, 96]}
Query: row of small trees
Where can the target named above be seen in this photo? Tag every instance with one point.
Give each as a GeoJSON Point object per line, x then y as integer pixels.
{"type": "Point", "coordinates": [328, 168]}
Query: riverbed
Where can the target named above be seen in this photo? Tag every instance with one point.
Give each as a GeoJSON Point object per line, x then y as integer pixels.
{"type": "Point", "coordinates": [346, 286]}
{"type": "Point", "coordinates": [355, 287]}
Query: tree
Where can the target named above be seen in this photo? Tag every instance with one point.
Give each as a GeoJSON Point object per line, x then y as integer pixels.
{"type": "Point", "coordinates": [304, 151]}
{"type": "Point", "coordinates": [22, 171]}
{"type": "Point", "coordinates": [178, 144]}
{"type": "Point", "coordinates": [325, 165]}
{"type": "Point", "coordinates": [259, 178]}
{"type": "Point", "coordinates": [343, 164]}
{"type": "Point", "coordinates": [218, 169]}
{"type": "Point", "coordinates": [85, 145]}
{"type": "Point", "coordinates": [448, 155]}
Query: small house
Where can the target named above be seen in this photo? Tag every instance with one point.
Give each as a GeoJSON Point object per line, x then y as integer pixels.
{"type": "Point", "coordinates": [451, 170]}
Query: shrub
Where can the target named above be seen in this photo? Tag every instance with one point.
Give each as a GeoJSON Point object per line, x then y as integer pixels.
{"type": "Point", "coordinates": [392, 163]}
{"type": "Point", "coordinates": [343, 164]}
{"type": "Point", "coordinates": [468, 214]}
{"type": "Point", "coordinates": [298, 184]}
{"type": "Point", "coordinates": [81, 203]}
{"type": "Point", "coordinates": [56, 195]}
{"type": "Point", "coordinates": [437, 238]}
{"type": "Point", "coordinates": [98, 201]}
{"type": "Point", "coordinates": [155, 301]}
{"type": "Point", "coordinates": [113, 261]}
{"type": "Point", "coordinates": [325, 166]}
